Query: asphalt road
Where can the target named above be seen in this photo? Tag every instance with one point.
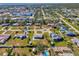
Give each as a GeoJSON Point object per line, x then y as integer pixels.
{"type": "Point", "coordinates": [67, 23]}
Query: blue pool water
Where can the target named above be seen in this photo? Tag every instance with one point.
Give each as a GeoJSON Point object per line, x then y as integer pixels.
{"type": "Point", "coordinates": [46, 53]}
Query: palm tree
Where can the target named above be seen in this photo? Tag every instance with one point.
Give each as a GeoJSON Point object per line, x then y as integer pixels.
{"type": "Point", "coordinates": [9, 51]}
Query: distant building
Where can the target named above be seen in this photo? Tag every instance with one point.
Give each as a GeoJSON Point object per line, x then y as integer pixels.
{"type": "Point", "coordinates": [22, 14]}
{"type": "Point", "coordinates": [38, 36]}
{"type": "Point", "coordinates": [5, 24]}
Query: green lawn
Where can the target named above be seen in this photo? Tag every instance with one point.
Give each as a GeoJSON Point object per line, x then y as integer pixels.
{"type": "Point", "coordinates": [63, 43]}
{"type": "Point", "coordinates": [1, 27]}
{"type": "Point", "coordinates": [1, 32]}
{"type": "Point", "coordinates": [21, 52]}
{"type": "Point", "coordinates": [42, 41]}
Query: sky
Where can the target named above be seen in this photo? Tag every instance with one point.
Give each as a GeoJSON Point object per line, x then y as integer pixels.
{"type": "Point", "coordinates": [39, 1]}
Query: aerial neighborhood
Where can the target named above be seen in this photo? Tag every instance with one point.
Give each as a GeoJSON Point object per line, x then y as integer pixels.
{"type": "Point", "coordinates": [39, 30]}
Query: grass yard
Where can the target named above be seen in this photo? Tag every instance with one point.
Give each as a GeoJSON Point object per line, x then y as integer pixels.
{"type": "Point", "coordinates": [39, 32]}
{"type": "Point", "coordinates": [17, 27]}
{"type": "Point", "coordinates": [22, 51]}
{"type": "Point", "coordinates": [43, 42]}
{"type": "Point", "coordinates": [31, 34]}
{"type": "Point", "coordinates": [31, 28]}
{"type": "Point", "coordinates": [9, 32]}
{"type": "Point", "coordinates": [3, 51]}
{"type": "Point", "coordinates": [46, 35]}
{"type": "Point", "coordinates": [1, 27]}
{"type": "Point", "coordinates": [1, 32]}
{"type": "Point", "coordinates": [14, 32]}
{"type": "Point", "coordinates": [17, 42]}
{"type": "Point", "coordinates": [76, 50]}
{"type": "Point", "coordinates": [63, 43]}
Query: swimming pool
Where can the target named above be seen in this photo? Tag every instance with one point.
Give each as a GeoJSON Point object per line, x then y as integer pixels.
{"type": "Point", "coordinates": [46, 53]}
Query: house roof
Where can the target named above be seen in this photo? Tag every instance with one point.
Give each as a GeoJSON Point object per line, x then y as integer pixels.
{"type": "Point", "coordinates": [3, 38]}
{"type": "Point", "coordinates": [63, 28]}
{"type": "Point", "coordinates": [20, 35]}
{"type": "Point", "coordinates": [38, 35]}
{"type": "Point", "coordinates": [55, 36]}
{"type": "Point", "coordinates": [15, 24]}
{"type": "Point", "coordinates": [69, 33]}
{"type": "Point", "coordinates": [61, 49]}
{"type": "Point", "coordinates": [75, 40]}
{"type": "Point", "coordinates": [5, 24]}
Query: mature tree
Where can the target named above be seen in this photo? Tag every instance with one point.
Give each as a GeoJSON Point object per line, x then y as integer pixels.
{"type": "Point", "coordinates": [69, 44]}
{"type": "Point", "coordinates": [40, 47]}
